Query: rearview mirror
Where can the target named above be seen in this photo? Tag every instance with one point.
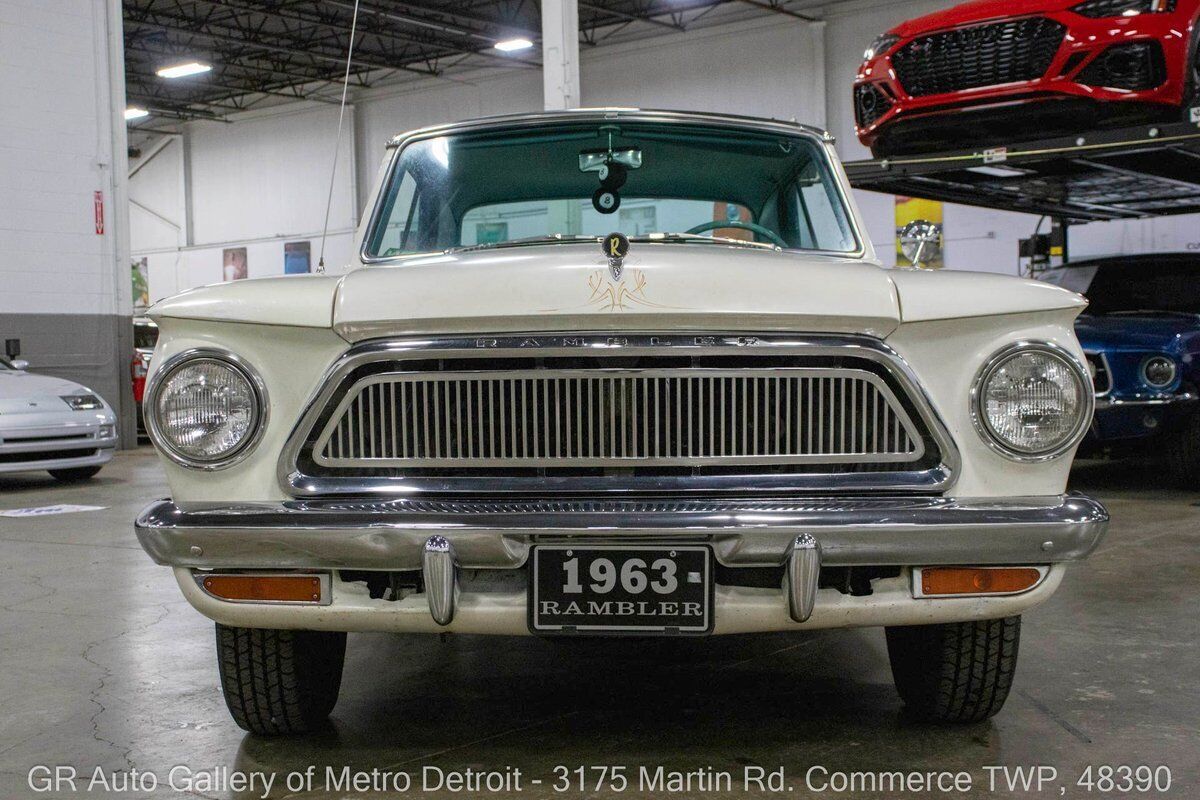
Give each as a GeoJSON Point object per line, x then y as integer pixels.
{"type": "Point", "coordinates": [921, 242]}
{"type": "Point", "coordinates": [595, 160]}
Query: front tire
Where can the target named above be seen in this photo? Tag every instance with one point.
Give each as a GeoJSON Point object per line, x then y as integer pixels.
{"type": "Point", "coordinates": [280, 682]}
{"type": "Point", "coordinates": [955, 672]}
{"type": "Point", "coordinates": [74, 475]}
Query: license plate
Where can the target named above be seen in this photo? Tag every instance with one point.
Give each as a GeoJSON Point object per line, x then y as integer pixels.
{"type": "Point", "coordinates": [621, 589]}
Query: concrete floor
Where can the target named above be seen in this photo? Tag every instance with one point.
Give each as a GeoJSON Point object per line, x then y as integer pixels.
{"type": "Point", "coordinates": [105, 665]}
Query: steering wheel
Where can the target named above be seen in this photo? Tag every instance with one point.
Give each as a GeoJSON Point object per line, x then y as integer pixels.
{"type": "Point", "coordinates": [717, 224]}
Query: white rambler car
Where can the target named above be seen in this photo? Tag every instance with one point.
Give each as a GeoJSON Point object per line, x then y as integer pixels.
{"type": "Point", "coordinates": [612, 372]}
{"type": "Point", "coordinates": [52, 424]}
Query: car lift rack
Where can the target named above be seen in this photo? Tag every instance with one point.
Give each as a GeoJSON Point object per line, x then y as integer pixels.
{"type": "Point", "coordinates": [1124, 173]}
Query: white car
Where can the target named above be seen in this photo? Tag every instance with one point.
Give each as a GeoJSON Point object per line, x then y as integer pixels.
{"type": "Point", "coordinates": [52, 424]}
{"type": "Point", "coordinates": [617, 372]}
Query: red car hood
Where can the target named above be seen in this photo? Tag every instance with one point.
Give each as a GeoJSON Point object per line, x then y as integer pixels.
{"type": "Point", "coordinates": [979, 11]}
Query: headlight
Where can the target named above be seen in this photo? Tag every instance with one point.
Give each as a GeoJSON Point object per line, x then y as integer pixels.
{"type": "Point", "coordinates": [881, 45]}
{"type": "Point", "coordinates": [1158, 371]}
{"type": "Point", "coordinates": [207, 409]}
{"type": "Point", "coordinates": [1123, 8]}
{"type": "Point", "coordinates": [83, 402]}
{"type": "Point", "coordinates": [1032, 401]}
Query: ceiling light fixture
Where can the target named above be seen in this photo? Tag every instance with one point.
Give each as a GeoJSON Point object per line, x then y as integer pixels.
{"type": "Point", "coordinates": [513, 45]}
{"type": "Point", "coordinates": [133, 112]}
{"type": "Point", "coordinates": [183, 70]}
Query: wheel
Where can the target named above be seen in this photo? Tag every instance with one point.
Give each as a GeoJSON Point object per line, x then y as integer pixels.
{"type": "Point", "coordinates": [74, 474]}
{"type": "Point", "coordinates": [279, 682]}
{"type": "Point", "coordinates": [1183, 453]}
{"type": "Point", "coordinates": [956, 671]}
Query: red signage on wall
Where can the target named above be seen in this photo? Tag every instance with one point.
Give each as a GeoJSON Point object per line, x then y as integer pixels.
{"type": "Point", "coordinates": [98, 198]}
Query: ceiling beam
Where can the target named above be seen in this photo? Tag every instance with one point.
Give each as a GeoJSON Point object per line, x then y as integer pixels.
{"type": "Point", "coordinates": [233, 36]}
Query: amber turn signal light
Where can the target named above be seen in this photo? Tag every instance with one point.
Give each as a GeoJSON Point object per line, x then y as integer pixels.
{"type": "Point", "coordinates": [265, 588]}
{"type": "Point", "coordinates": [977, 580]}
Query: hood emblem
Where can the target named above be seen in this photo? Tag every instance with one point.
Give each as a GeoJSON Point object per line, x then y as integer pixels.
{"type": "Point", "coordinates": [616, 247]}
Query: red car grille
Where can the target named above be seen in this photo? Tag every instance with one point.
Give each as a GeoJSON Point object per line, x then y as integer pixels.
{"type": "Point", "coordinates": [984, 55]}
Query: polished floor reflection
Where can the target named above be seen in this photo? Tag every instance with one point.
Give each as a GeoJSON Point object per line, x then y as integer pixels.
{"type": "Point", "coordinates": [105, 665]}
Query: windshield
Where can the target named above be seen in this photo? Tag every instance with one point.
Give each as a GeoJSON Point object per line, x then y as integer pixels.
{"type": "Point", "coordinates": [590, 179]}
{"type": "Point", "coordinates": [4, 364]}
{"type": "Point", "coordinates": [1161, 287]}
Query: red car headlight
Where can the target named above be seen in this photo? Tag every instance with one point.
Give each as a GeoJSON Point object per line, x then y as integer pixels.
{"type": "Point", "coordinates": [881, 45]}
{"type": "Point", "coordinates": [1097, 9]}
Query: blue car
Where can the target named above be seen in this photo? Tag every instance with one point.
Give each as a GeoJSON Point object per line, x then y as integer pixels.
{"type": "Point", "coordinates": [1141, 334]}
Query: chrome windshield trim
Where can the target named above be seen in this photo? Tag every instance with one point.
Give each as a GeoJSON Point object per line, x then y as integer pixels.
{"type": "Point", "coordinates": [882, 531]}
{"type": "Point", "coordinates": [823, 139]}
{"type": "Point", "coordinates": [936, 479]}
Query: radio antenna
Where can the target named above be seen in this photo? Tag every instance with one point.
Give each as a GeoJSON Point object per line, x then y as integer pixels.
{"type": "Point", "coordinates": [337, 147]}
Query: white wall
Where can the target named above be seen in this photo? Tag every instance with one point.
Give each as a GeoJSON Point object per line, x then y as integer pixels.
{"type": "Point", "coordinates": [264, 177]}
{"type": "Point", "coordinates": [256, 183]}
{"type": "Point", "coordinates": [56, 151]}
{"type": "Point", "coordinates": [65, 286]}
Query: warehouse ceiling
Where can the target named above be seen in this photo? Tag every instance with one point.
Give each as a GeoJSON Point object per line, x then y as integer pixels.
{"type": "Point", "coordinates": [264, 50]}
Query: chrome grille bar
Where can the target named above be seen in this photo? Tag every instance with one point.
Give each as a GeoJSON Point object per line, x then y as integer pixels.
{"type": "Point", "coordinates": [619, 418]}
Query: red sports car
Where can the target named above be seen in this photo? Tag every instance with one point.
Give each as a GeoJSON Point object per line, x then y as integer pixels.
{"type": "Point", "coordinates": [988, 71]}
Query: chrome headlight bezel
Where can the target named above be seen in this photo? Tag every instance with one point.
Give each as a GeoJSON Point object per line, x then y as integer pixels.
{"type": "Point", "coordinates": [1086, 390]}
{"type": "Point", "coordinates": [227, 359]}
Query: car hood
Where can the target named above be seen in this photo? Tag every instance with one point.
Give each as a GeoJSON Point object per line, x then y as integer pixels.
{"type": "Point", "coordinates": [978, 11]}
{"type": "Point", "coordinates": [1135, 332]}
{"type": "Point", "coordinates": [660, 287]}
{"type": "Point", "coordinates": [27, 393]}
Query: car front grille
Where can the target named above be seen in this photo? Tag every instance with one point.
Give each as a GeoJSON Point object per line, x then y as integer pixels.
{"type": "Point", "coordinates": [983, 55]}
{"type": "Point", "coordinates": [33, 456]}
{"type": "Point", "coordinates": [601, 415]}
{"type": "Point", "coordinates": [615, 417]}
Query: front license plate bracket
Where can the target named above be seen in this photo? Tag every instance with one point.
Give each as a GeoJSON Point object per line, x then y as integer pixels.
{"type": "Point", "coordinates": [614, 590]}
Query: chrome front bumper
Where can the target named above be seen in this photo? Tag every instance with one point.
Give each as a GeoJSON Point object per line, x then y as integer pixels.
{"type": "Point", "coordinates": [454, 544]}
{"type": "Point", "coordinates": [498, 535]}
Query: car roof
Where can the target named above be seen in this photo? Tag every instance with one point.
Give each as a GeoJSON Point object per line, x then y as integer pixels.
{"type": "Point", "coordinates": [612, 114]}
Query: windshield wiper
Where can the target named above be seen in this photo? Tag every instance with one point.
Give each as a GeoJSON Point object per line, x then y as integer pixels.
{"type": "Point", "coordinates": [701, 239]}
{"type": "Point", "coordinates": [553, 238]}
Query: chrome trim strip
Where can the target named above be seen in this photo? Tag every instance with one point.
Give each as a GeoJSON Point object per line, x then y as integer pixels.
{"type": "Point", "coordinates": [932, 480]}
{"type": "Point", "coordinates": [246, 447]}
{"type": "Point", "coordinates": [823, 139]}
{"type": "Point", "coordinates": [1087, 391]}
{"type": "Point", "coordinates": [885, 531]}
